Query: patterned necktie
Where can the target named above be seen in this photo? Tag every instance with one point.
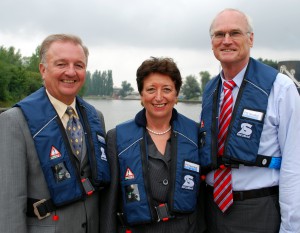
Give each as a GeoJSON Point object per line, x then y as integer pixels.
{"type": "Point", "coordinates": [75, 132]}
{"type": "Point", "coordinates": [222, 177]}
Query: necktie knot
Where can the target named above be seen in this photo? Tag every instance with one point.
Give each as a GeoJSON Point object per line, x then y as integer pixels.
{"type": "Point", "coordinates": [229, 85]}
{"type": "Point", "coordinates": [70, 111]}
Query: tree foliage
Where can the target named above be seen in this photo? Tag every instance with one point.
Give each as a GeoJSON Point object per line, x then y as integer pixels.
{"type": "Point", "coordinates": [99, 83]}
{"type": "Point", "coordinates": [32, 63]}
{"type": "Point", "coordinates": [126, 89]}
{"type": "Point", "coordinates": [191, 88]}
{"type": "Point", "coordinates": [205, 77]}
{"type": "Point", "coordinates": [270, 62]}
{"type": "Point", "coordinates": [16, 81]}
{"type": "Point", "coordinates": [20, 76]}
{"type": "Point", "coordinates": [10, 56]}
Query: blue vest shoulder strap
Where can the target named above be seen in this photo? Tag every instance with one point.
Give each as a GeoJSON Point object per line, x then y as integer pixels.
{"type": "Point", "coordinates": [133, 154]}
{"type": "Point", "coordinates": [54, 151]}
{"type": "Point", "coordinates": [241, 146]}
{"type": "Point", "coordinates": [96, 143]}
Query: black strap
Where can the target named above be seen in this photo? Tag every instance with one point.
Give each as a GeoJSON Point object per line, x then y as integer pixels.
{"type": "Point", "coordinates": [255, 193]}
{"type": "Point", "coordinates": [44, 208]}
{"type": "Point", "coordinates": [250, 194]}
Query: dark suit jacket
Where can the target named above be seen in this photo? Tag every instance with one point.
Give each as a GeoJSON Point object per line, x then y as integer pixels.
{"type": "Point", "coordinates": [21, 177]}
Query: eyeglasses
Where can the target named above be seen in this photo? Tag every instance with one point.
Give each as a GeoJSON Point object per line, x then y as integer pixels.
{"type": "Point", "coordinates": [234, 35]}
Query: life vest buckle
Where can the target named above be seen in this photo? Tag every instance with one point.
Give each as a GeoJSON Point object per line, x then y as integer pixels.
{"type": "Point", "coordinates": [36, 209]}
{"type": "Point", "coordinates": [87, 185]}
{"type": "Point", "coordinates": [163, 212]}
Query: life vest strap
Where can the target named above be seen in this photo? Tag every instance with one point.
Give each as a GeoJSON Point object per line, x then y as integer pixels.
{"type": "Point", "coordinates": [261, 161]}
{"type": "Point", "coordinates": [163, 213]}
{"type": "Point", "coordinates": [267, 161]}
{"type": "Point", "coordinates": [39, 208]}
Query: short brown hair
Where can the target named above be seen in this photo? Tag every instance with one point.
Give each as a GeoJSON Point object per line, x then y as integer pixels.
{"type": "Point", "coordinates": [165, 66]}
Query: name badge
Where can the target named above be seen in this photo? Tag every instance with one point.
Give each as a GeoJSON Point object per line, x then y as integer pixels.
{"type": "Point", "coordinates": [191, 166]}
{"type": "Point", "coordinates": [254, 115]}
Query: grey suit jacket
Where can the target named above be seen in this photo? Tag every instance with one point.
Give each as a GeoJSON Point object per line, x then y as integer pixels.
{"type": "Point", "coordinates": [21, 177]}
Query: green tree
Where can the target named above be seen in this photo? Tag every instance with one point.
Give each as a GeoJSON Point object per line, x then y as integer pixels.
{"type": "Point", "coordinates": [109, 84]}
{"type": "Point", "coordinates": [191, 88]}
{"type": "Point", "coordinates": [34, 81]}
{"type": "Point", "coordinates": [10, 56]}
{"type": "Point", "coordinates": [88, 84]}
{"type": "Point", "coordinates": [102, 87]}
{"type": "Point", "coordinates": [99, 83]}
{"type": "Point", "coordinates": [4, 81]}
{"type": "Point", "coordinates": [18, 85]}
{"type": "Point", "coordinates": [16, 81]}
{"type": "Point", "coordinates": [96, 81]}
{"type": "Point", "coordinates": [270, 62]}
{"type": "Point", "coordinates": [205, 77]}
{"type": "Point", "coordinates": [32, 63]}
{"type": "Point", "coordinates": [126, 89]}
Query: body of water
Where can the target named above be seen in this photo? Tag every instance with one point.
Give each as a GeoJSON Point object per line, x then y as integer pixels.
{"type": "Point", "coordinates": [118, 111]}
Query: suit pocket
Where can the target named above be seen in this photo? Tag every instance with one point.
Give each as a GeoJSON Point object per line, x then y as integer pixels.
{"type": "Point", "coordinates": [41, 228]}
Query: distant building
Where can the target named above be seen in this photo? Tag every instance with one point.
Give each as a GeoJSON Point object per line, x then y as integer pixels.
{"type": "Point", "coordinates": [116, 91]}
{"type": "Point", "coordinates": [291, 69]}
{"type": "Point", "coordinates": [133, 96]}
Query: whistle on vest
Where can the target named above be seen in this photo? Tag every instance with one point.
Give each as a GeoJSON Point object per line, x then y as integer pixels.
{"type": "Point", "coordinates": [202, 139]}
{"type": "Point", "coordinates": [60, 172]}
{"type": "Point", "coordinates": [132, 193]}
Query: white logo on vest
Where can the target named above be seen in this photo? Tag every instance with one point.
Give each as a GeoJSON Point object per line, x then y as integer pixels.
{"type": "Point", "coordinates": [188, 182]}
{"type": "Point", "coordinates": [245, 131]}
{"type": "Point", "coordinates": [103, 155]}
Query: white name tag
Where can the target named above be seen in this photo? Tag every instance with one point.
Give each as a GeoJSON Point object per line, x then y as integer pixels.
{"type": "Point", "coordinates": [191, 166]}
{"type": "Point", "coordinates": [255, 115]}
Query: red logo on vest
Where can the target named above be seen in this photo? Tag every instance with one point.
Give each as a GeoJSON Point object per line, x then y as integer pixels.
{"type": "Point", "coordinates": [54, 153]}
{"type": "Point", "coordinates": [129, 174]}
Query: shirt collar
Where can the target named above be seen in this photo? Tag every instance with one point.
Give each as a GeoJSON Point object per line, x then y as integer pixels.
{"type": "Point", "coordinates": [238, 79]}
{"type": "Point", "coordinates": [59, 106]}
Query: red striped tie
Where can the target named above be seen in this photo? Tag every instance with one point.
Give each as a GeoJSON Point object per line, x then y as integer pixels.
{"type": "Point", "coordinates": [222, 177]}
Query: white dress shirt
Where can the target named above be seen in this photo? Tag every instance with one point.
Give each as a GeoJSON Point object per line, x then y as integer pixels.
{"type": "Point", "coordinates": [280, 137]}
{"type": "Point", "coordinates": [61, 108]}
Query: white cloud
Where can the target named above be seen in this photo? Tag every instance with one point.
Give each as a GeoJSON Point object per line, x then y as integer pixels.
{"type": "Point", "coordinates": [121, 34]}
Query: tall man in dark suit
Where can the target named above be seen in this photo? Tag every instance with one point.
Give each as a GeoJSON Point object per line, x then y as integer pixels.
{"type": "Point", "coordinates": [47, 185]}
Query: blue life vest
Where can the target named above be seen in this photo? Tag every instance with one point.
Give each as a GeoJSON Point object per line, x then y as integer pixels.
{"type": "Point", "coordinates": [244, 132]}
{"type": "Point", "coordinates": [185, 168]}
{"type": "Point", "coordinates": [54, 150]}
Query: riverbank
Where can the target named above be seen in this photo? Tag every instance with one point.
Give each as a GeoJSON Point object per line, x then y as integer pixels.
{"type": "Point", "coordinates": [137, 98]}
{"type": "Point", "coordinates": [2, 109]}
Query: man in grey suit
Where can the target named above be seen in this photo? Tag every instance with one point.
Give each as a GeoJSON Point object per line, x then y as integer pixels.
{"type": "Point", "coordinates": [47, 186]}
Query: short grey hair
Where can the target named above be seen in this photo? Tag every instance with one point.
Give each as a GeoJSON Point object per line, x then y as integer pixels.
{"type": "Point", "coordinates": [247, 18]}
{"type": "Point", "coordinates": [60, 37]}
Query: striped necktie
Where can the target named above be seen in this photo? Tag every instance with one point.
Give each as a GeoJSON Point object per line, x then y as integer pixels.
{"type": "Point", "coordinates": [222, 177]}
{"type": "Point", "coordinates": [74, 132]}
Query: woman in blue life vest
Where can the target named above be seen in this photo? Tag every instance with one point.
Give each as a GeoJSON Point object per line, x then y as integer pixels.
{"type": "Point", "coordinates": [154, 161]}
